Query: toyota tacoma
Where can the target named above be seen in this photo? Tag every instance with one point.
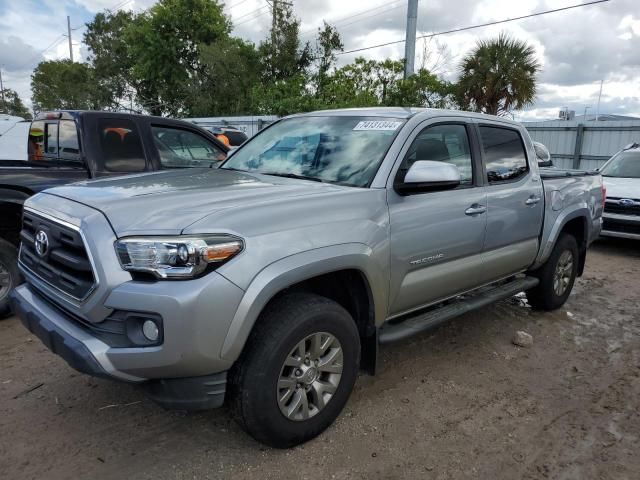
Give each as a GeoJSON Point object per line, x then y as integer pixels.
{"type": "Point", "coordinates": [267, 284]}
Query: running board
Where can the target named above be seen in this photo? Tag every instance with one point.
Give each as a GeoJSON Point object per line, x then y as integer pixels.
{"type": "Point", "coordinates": [391, 332]}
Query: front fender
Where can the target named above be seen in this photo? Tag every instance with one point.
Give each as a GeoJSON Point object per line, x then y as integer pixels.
{"type": "Point", "coordinates": [297, 268]}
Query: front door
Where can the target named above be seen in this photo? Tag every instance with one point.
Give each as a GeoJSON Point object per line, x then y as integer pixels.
{"type": "Point", "coordinates": [437, 236]}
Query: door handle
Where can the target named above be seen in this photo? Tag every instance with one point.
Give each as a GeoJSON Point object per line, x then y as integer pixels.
{"type": "Point", "coordinates": [532, 200]}
{"type": "Point", "coordinates": [475, 209]}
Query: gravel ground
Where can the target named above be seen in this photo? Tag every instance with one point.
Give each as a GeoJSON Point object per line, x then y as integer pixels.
{"type": "Point", "coordinates": [459, 402]}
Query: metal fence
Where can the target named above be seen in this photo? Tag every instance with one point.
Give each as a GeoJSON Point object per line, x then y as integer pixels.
{"type": "Point", "coordinates": [584, 145]}
{"type": "Point", "coordinates": [248, 124]}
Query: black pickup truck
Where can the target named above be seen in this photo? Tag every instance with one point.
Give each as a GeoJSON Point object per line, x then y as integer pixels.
{"type": "Point", "coordinates": [70, 146]}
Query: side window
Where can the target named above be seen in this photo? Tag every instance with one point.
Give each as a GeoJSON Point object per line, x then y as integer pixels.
{"type": "Point", "coordinates": [36, 141]}
{"type": "Point", "coordinates": [442, 143]}
{"type": "Point", "coordinates": [182, 148]}
{"type": "Point", "coordinates": [504, 154]}
{"type": "Point", "coordinates": [121, 146]}
{"type": "Point", "coordinates": [68, 141]}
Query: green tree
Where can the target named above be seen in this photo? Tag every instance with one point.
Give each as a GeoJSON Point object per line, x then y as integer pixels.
{"type": "Point", "coordinates": [498, 76]}
{"type": "Point", "coordinates": [328, 43]}
{"type": "Point", "coordinates": [281, 55]}
{"type": "Point", "coordinates": [224, 86]}
{"type": "Point", "coordinates": [366, 83]}
{"type": "Point", "coordinates": [13, 104]}
{"type": "Point", "coordinates": [62, 84]}
{"type": "Point", "coordinates": [165, 45]}
{"type": "Point", "coordinates": [111, 57]}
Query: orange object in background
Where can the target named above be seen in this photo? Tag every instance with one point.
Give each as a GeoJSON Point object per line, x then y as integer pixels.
{"type": "Point", "coordinates": [119, 130]}
{"type": "Point", "coordinates": [36, 143]}
{"type": "Point", "coordinates": [224, 139]}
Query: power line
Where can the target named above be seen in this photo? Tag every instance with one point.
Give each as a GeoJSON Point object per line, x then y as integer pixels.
{"type": "Point", "coordinates": [251, 19]}
{"type": "Point", "coordinates": [471, 27]}
{"type": "Point", "coordinates": [118, 6]}
{"type": "Point", "coordinates": [374, 15]}
{"type": "Point", "coordinates": [348, 17]}
{"type": "Point", "coordinates": [252, 12]}
{"type": "Point", "coordinates": [236, 4]}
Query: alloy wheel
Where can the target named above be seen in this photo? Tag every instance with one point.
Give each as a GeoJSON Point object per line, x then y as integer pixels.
{"type": "Point", "coordinates": [310, 376]}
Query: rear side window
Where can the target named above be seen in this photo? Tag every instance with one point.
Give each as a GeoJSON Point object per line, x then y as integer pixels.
{"type": "Point", "coordinates": [121, 146]}
{"type": "Point", "coordinates": [504, 154]}
{"type": "Point", "coordinates": [68, 141]}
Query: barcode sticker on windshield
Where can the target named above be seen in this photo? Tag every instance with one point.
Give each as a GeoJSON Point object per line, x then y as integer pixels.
{"type": "Point", "coordinates": [379, 125]}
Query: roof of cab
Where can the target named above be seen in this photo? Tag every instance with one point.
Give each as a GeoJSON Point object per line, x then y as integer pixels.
{"type": "Point", "coordinates": [402, 112]}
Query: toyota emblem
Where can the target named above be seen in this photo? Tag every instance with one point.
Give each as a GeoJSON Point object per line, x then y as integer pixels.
{"type": "Point", "coordinates": [626, 202]}
{"type": "Point", "coordinates": [42, 243]}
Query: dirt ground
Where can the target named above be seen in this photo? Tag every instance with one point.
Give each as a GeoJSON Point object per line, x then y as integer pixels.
{"type": "Point", "coordinates": [458, 402]}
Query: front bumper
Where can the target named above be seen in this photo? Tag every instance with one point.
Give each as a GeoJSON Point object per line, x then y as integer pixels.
{"type": "Point", "coordinates": [621, 226]}
{"type": "Point", "coordinates": [171, 374]}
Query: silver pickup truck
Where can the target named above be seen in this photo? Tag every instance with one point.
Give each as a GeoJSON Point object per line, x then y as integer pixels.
{"type": "Point", "coordinates": [268, 283]}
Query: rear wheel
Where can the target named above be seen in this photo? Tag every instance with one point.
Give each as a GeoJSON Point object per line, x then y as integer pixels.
{"type": "Point", "coordinates": [9, 275]}
{"type": "Point", "coordinates": [297, 371]}
{"type": "Point", "coordinates": [557, 276]}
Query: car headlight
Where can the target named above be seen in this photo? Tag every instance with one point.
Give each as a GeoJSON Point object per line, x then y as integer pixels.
{"type": "Point", "coordinates": [176, 257]}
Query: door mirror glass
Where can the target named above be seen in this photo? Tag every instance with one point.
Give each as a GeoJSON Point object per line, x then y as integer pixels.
{"type": "Point", "coordinates": [428, 175]}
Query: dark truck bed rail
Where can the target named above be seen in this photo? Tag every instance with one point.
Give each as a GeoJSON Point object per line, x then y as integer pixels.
{"type": "Point", "coordinates": [560, 173]}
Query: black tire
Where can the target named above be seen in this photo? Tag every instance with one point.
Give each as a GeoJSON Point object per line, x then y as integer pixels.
{"type": "Point", "coordinates": [8, 273]}
{"type": "Point", "coordinates": [545, 296]}
{"type": "Point", "coordinates": [253, 381]}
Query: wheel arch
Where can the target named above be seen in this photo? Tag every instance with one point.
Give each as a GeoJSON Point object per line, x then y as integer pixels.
{"type": "Point", "coordinates": [344, 273]}
{"type": "Point", "coordinates": [574, 222]}
{"type": "Point", "coordinates": [11, 206]}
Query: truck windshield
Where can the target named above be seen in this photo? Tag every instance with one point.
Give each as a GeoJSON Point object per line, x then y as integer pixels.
{"type": "Point", "coordinates": [340, 149]}
{"type": "Point", "coordinates": [624, 165]}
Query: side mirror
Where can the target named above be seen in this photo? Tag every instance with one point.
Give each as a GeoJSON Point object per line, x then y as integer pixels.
{"type": "Point", "coordinates": [427, 175]}
{"type": "Point", "coordinates": [543, 155]}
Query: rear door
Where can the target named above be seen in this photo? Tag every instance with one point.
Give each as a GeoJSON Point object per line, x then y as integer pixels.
{"type": "Point", "coordinates": [514, 201]}
{"type": "Point", "coordinates": [437, 236]}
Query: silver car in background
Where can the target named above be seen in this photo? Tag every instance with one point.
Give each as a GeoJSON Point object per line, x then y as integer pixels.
{"type": "Point", "coordinates": [621, 176]}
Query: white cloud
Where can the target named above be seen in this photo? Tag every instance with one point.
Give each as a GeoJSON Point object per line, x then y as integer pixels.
{"type": "Point", "coordinates": [577, 48]}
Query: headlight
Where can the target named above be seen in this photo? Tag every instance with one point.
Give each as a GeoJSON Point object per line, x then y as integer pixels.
{"type": "Point", "coordinates": [176, 257]}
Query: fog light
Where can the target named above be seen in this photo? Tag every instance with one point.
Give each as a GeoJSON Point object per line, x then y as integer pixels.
{"type": "Point", "coordinates": [150, 330]}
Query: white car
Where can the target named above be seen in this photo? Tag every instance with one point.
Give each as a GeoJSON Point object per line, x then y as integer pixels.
{"type": "Point", "coordinates": [621, 176]}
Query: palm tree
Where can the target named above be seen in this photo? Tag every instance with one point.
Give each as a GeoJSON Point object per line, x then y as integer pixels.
{"type": "Point", "coordinates": [498, 76]}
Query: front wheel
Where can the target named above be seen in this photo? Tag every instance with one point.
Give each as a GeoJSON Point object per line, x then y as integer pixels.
{"type": "Point", "coordinates": [297, 370]}
{"type": "Point", "coordinates": [557, 276]}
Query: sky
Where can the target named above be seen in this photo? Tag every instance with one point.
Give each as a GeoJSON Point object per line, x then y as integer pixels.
{"type": "Point", "coordinates": [577, 48]}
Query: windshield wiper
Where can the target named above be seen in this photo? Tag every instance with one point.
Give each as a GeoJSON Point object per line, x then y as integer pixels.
{"type": "Point", "coordinates": [293, 175]}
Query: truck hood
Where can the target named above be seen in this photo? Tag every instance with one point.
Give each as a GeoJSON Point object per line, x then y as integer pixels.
{"type": "Point", "coordinates": [622, 187]}
{"type": "Point", "coordinates": [165, 203]}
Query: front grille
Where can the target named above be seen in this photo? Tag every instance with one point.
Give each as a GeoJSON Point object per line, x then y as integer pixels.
{"type": "Point", "coordinates": [613, 206]}
{"type": "Point", "coordinates": [622, 227]}
{"type": "Point", "coordinates": [62, 261]}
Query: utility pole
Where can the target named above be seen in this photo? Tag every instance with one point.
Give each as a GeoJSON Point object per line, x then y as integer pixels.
{"type": "Point", "coordinates": [69, 34]}
{"type": "Point", "coordinates": [274, 21]}
{"type": "Point", "coordinates": [4, 104]}
{"type": "Point", "coordinates": [410, 41]}
{"type": "Point", "coordinates": [599, 97]}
